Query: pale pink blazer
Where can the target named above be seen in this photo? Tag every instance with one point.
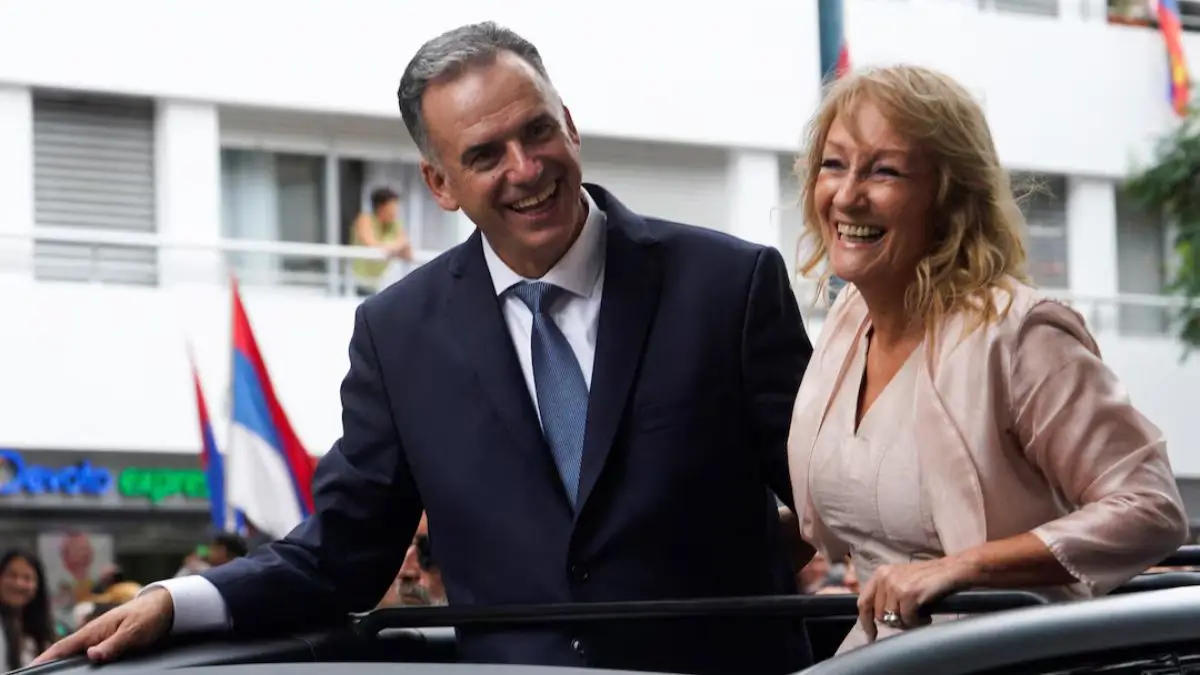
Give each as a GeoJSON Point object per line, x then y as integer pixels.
{"type": "Point", "coordinates": [1021, 428]}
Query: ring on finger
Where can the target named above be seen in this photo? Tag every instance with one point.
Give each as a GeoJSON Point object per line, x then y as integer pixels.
{"type": "Point", "coordinates": [892, 619]}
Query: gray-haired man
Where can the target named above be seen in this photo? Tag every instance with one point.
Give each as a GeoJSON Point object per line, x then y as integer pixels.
{"type": "Point", "coordinates": [590, 405]}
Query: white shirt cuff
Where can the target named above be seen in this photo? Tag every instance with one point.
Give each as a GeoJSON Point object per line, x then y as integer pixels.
{"type": "Point", "coordinates": [199, 606]}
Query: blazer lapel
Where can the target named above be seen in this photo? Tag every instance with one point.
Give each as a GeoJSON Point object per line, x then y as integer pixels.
{"type": "Point", "coordinates": [632, 280]}
{"type": "Point", "coordinates": [826, 373]}
{"type": "Point", "coordinates": [476, 324]}
{"type": "Point", "coordinates": [949, 475]}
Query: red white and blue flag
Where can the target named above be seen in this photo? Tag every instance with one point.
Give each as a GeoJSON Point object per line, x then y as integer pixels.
{"type": "Point", "coordinates": [269, 476]}
{"type": "Point", "coordinates": [210, 459]}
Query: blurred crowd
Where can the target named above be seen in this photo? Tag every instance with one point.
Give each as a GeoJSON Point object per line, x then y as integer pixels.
{"type": "Point", "coordinates": [32, 619]}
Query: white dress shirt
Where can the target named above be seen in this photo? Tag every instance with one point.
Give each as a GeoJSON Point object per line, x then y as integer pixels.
{"type": "Point", "coordinates": [199, 606]}
{"type": "Point", "coordinates": [576, 313]}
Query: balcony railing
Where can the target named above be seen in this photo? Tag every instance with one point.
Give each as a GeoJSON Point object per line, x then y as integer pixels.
{"type": "Point", "coordinates": [99, 256]}
{"type": "Point", "coordinates": [69, 254]}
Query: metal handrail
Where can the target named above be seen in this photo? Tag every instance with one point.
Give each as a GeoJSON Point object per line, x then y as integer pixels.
{"type": "Point", "coordinates": [371, 623]}
{"type": "Point", "coordinates": [1186, 556]}
{"type": "Point", "coordinates": [1127, 299]}
{"type": "Point", "coordinates": [96, 237]}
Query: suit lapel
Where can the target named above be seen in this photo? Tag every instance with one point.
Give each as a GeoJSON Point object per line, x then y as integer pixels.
{"type": "Point", "coordinates": [477, 324]}
{"type": "Point", "coordinates": [632, 280]}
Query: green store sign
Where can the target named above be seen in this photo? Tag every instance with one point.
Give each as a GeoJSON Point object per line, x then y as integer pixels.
{"type": "Point", "coordinates": [158, 484]}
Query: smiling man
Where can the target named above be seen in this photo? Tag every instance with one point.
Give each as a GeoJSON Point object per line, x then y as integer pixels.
{"type": "Point", "coordinates": [590, 405]}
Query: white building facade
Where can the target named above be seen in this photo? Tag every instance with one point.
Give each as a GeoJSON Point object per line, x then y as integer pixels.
{"type": "Point", "coordinates": [142, 140]}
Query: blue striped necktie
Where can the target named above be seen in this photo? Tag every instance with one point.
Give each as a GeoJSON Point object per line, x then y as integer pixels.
{"type": "Point", "coordinates": [562, 393]}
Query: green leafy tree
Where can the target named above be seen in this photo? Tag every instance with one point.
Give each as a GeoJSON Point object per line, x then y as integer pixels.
{"type": "Point", "coordinates": [1172, 186]}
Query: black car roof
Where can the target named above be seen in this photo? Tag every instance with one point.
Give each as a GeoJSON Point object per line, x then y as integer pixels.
{"type": "Point", "coordinates": [1024, 635]}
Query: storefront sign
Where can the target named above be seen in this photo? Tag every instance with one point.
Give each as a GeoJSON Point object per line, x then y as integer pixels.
{"type": "Point", "coordinates": [82, 478]}
{"type": "Point", "coordinates": [17, 476]}
{"type": "Point", "coordinates": [158, 484]}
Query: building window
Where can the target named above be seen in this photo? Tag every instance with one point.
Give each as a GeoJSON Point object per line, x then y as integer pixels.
{"type": "Point", "coordinates": [1139, 13]}
{"type": "Point", "coordinates": [1141, 266]}
{"type": "Point", "coordinates": [274, 197]}
{"type": "Point", "coordinates": [93, 169]}
{"type": "Point", "coordinates": [1035, 7]}
{"type": "Point", "coordinates": [428, 226]}
{"type": "Point", "coordinates": [284, 197]}
{"type": "Point", "coordinates": [1042, 198]}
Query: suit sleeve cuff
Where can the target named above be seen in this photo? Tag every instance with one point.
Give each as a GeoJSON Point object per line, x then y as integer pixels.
{"type": "Point", "coordinates": [199, 607]}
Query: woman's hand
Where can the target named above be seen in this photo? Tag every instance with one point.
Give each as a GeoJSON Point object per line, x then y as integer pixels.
{"type": "Point", "coordinates": [904, 588]}
{"type": "Point", "coordinates": [1016, 562]}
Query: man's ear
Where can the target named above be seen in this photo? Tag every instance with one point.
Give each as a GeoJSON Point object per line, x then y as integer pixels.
{"type": "Point", "coordinates": [438, 185]}
{"type": "Point", "coordinates": [572, 132]}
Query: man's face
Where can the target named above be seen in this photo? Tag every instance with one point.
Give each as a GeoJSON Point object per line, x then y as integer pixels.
{"type": "Point", "coordinates": [420, 582]}
{"type": "Point", "coordinates": [507, 153]}
{"type": "Point", "coordinates": [77, 554]}
{"type": "Point", "coordinates": [388, 211]}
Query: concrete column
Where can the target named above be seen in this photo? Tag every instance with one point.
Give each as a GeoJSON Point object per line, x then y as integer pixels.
{"type": "Point", "coordinates": [16, 182]}
{"type": "Point", "coordinates": [188, 189]}
{"type": "Point", "coordinates": [753, 180]}
{"type": "Point", "coordinates": [1092, 244]}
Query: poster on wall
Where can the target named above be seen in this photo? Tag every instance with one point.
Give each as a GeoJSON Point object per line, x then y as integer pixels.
{"type": "Point", "coordinates": [73, 562]}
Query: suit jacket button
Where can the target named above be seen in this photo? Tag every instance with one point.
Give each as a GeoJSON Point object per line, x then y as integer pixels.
{"type": "Point", "coordinates": [577, 645]}
{"type": "Point", "coordinates": [579, 573]}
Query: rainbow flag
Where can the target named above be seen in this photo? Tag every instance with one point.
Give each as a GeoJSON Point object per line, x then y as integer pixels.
{"type": "Point", "coordinates": [1179, 88]}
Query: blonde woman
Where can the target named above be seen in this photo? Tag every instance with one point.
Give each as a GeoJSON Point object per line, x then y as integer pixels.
{"type": "Point", "coordinates": [954, 429]}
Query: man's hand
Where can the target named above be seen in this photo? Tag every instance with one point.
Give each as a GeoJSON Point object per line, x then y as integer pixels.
{"type": "Point", "coordinates": [138, 623]}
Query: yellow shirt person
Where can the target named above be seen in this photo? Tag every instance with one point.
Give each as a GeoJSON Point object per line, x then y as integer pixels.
{"type": "Point", "coordinates": [382, 229]}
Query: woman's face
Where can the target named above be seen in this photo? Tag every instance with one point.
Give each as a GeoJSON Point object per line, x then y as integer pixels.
{"type": "Point", "coordinates": [18, 583]}
{"type": "Point", "coordinates": [874, 196]}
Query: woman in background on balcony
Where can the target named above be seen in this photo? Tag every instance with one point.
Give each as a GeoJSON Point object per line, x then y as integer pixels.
{"type": "Point", "coordinates": [954, 429]}
{"type": "Point", "coordinates": [24, 610]}
{"type": "Point", "coordinates": [383, 230]}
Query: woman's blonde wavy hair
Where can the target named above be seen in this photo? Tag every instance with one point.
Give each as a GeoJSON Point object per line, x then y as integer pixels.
{"type": "Point", "coordinates": [977, 244]}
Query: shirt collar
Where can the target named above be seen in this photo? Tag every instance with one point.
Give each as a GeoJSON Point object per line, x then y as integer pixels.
{"type": "Point", "coordinates": [579, 268]}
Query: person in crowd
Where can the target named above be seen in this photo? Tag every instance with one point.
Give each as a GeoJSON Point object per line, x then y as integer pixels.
{"type": "Point", "coordinates": [195, 562]}
{"type": "Point", "coordinates": [109, 574]}
{"type": "Point", "coordinates": [383, 229]}
{"type": "Point", "coordinates": [814, 576]}
{"type": "Point", "coordinates": [225, 547]}
{"type": "Point", "coordinates": [77, 555]}
{"type": "Point", "coordinates": [954, 429]}
{"type": "Point", "coordinates": [470, 381]}
{"type": "Point", "coordinates": [110, 597]}
{"type": "Point", "coordinates": [419, 581]}
{"type": "Point", "coordinates": [24, 610]}
{"type": "Point", "coordinates": [841, 579]}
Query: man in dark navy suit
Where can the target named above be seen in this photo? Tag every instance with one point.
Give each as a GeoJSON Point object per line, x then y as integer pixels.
{"type": "Point", "coordinates": [590, 404]}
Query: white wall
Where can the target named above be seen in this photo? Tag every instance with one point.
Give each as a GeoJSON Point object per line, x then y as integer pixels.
{"type": "Point", "coordinates": [681, 183]}
{"type": "Point", "coordinates": [1061, 96]}
{"type": "Point", "coordinates": [1165, 389]}
{"type": "Point", "coordinates": [16, 179]}
{"type": "Point", "coordinates": [651, 70]}
{"type": "Point", "coordinates": [105, 367]}
{"type": "Point", "coordinates": [754, 195]}
{"type": "Point", "coordinates": [187, 186]}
